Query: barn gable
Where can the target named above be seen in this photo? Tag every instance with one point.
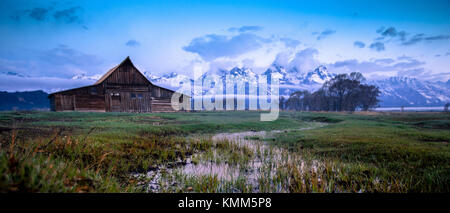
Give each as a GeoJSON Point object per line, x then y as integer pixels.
{"type": "Point", "coordinates": [124, 74]}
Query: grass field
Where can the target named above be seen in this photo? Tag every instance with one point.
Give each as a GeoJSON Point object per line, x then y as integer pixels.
{"type": "Point", "coordinates": [185, 152]}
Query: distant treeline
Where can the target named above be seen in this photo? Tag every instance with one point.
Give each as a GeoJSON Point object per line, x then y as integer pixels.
{"type": "Point", "coordinates": [32, 100]}
{"type": "Point", "coordinates": [345, 92]}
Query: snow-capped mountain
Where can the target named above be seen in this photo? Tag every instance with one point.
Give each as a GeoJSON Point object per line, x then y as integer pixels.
{"type": "Point", "coordinates": [395, 91]}
{"type": "Point", "coordinates": [279, 72]}
{"type": "Point", "coordinates": [319, 76]}
{"type": "Point", "coordinates": [172, 80]}
{"type": "Point", "coordinates": [294, 80]}
{"type": "Point", "coordinates": [86, 77]}
{"type": "Point", "coordinates": [405, 91]}
{"type": "Point", "coordinates": [151, 77]}
{"type": "Point", "coordinates": [241, 72]}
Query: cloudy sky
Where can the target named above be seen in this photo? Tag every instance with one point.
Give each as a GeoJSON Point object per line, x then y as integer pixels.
{"type": "Point", "coordinates": [45, 43]}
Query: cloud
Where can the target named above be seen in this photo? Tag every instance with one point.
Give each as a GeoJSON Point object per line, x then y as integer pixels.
{"type": "Point", "coordinates": [283, 59]}
{"type": "Point", "coordinates": [60, 61]}
{"type": "Point", "coordinates": [303, 60]}
{"type": "Point", "coordinates": [132, 43]}
{"type": "Point", "coordinates": [438, 37]}
{"type": "Point", "coordinates": [248, 62]}
{"type": "Point", "coordinates": [404, 38]}
{"type": "Point", "coordinates": [385, 60]}
{"type": "Point", "coordinates": [38, 14]}
{"type": "Point", "coordinates": [408, 64]}
{"type": "Point", "coordinates": [391, 31]}
{"type": "Point", "coordinates": [401, 66]}
{"type": "Point", "coordinates": [69, 15]}
{"type": "Point", "coordinates": [42, 14]}
{"type": "Point", "coordinates": [359, 44]}
{"type": "Point", "coordinates": [288, 42]}
{"type": "Point", "coordinates": [64, 55]}
{"type": "Point", "coordinates": [245, 29]}
{"type": "Point", "coordinates": [324, 34]}
{"type": "Point", "coordinates": [442, 76]}
{"type": "Point", "coordinates": [411, 72]}
{"type": "Point", "coordinates": [404, 57]}
{"type": "Point", "coordinates": [214, 46]}
{"type": "Point", "coordinates": [377, 46]}
{"type": "Point", "coordinates": [49, 84]}
{"type": "Point", "coordinates": [380, 30]}
{"type": "Point", "coordinates": [421, 37]}
{"type": "Point", "coordinates": [13, 74]}
{"type": "Point", "coordinates": [413, 40]}
{"type": "Point", "coordinates": [402, 35]}
{"type": "Point", "coordinates": [16, 67]}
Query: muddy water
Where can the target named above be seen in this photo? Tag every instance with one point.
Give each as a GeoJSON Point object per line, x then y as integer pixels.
{"type": "Point", "coordinates": [263, 163]}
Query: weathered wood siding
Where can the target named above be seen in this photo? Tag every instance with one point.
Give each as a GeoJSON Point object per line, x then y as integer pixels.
{"type": "Point", "coordinates": [162, 105]}
{"type": "Point", "coordinates": [161, 93]}
{"type": "Point", "coordinates": [126, 74]}
{"type": "Point", "coordinates": [82, 99]}
{"type": "Point", "coordinates": [128, 101]}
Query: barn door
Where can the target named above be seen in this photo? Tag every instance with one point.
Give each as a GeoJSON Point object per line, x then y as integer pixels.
{"type": "Point", "coordinates": [68, 102]}
{"type": "Point", "coordinates": [115, 103]}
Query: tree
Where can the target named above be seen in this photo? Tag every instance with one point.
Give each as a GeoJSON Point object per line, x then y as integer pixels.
{"type": "Point", "coordinates": [299, 100]}
{"type": "Point", "coordinates": [368, 97]}
{"type": "Point", "coordinates": [344, 92]}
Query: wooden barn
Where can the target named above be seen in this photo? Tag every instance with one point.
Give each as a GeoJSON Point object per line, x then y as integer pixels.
{"type": "Point", "coordinates": [122, 89]}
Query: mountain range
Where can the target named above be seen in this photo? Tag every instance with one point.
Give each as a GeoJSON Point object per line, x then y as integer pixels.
{"type": "Point", "coordinates": [395, 91]}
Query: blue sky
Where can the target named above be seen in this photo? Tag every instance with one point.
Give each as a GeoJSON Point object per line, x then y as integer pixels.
{"type": "Point", "coordinates": [45, 43]}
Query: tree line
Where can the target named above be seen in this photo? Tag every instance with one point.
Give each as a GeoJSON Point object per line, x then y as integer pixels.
{"type": "Point", "coordinates": [345, 92]}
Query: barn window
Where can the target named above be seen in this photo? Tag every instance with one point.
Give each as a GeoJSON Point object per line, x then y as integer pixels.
{"type": "Point", "coordinates": [93, 91]}
{"type": "Point", "coordinates": [140, 96]}
{"type": "Point", "coordinates": [133, 95]}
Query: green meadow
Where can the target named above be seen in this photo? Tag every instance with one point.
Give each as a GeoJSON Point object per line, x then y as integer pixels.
{"type": "Point", "coordinates": [206, 152]}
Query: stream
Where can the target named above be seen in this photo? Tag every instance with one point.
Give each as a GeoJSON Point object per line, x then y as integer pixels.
{"type": "Point", "coordinates": [261, 162]}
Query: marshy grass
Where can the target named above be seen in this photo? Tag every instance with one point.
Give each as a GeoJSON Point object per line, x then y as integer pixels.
{"type": "Point", "coordinates": [206, 152]}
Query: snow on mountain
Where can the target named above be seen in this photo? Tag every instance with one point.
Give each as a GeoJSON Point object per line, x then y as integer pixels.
{"type": "Point", "coordinates": [242, 72]}
{"type": "Point", "coordinates": [395, 91]}
{"type": "Point", "coordinates": [294, 80]}
{"type": "Point", "coordinates": [151, 77]}
{"type": "Point", "coordinates": [279, 72]}
{"type": "Point", "coordinates": [319, 76]}
{"type": "Point", "coordinates": [85, 77]}
{"type": "Point", "coordinates": [171, 81]}
{"type": "Point", "coordinates": [405, 91]}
